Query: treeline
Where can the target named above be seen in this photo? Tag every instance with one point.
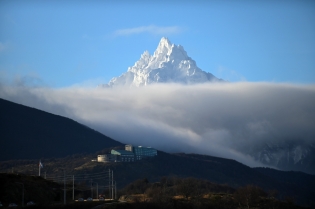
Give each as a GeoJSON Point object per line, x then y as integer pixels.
{"type": "Point", "coordinates": [172, 186]}
{"type": "Point", "coordinates": [184, 193]}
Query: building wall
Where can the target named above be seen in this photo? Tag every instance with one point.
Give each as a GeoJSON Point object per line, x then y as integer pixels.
{"type": "Point", "coordinates": [101, 158]}
{"type": "Point", "coordinates": [142, 152]}
{"type": "Point", "coordinates": [130, 154]}
{"type": "Point", "coordinates": [129, 147]}
{"type": "Point", "coordinates": [106, 158]}
{"type": "Point", "coordinates": [127, 158]}
{"type": "Point", "coordinates": [123, 155]}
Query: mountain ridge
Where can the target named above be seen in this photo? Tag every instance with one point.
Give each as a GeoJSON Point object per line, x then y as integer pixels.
{"type": "Point", "coordinates": [168, 64]}
{"type": "Point", "coordinates": [29, 133]}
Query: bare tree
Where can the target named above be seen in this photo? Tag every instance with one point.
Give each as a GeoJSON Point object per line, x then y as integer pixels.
{"type": "Point", "coordinates": [186, 187]}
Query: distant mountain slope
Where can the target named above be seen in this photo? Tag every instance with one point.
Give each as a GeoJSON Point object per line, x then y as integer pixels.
{"type": "Point", "coordinates": [293, 177]}
{"type": "Point", "coordinates": [29, 133]}
{"type": "Point", "coordinates": [169, 64]}
{"type": "Point", "coordinates": [290, 155]}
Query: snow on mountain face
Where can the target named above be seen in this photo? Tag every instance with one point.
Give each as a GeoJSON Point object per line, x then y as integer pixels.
{"type": "Point", "coordinates": [169, 64]}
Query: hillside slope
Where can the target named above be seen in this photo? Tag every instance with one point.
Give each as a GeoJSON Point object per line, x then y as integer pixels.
{"type": "Point", "coordinates": [29, 133]}
{"type": "Point", "coordinates": [296, 185]}
{"type": "Point", "coordinates": [218, 170]}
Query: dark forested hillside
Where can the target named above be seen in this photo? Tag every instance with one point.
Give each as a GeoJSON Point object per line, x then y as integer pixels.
{"type": "Point", "coordinates": [29, 133]}
{"type": "Point", "coordinates": [35, 188]}
{"type": "Point", "coordinates": [293, 185]}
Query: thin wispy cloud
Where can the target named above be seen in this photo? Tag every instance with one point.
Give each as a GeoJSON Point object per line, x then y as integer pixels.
{"type": "Point", "coordinates": [229, 75]}
{"type": "Point", "coordinates": [151, 29]}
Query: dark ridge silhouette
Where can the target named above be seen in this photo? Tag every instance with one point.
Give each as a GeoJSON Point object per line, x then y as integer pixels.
{"type": "Point", "coordinates": [29, 133]}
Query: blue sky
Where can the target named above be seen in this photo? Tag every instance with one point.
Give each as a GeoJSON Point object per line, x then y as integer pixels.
{"type": "Point", "coordinates": [63, 43]}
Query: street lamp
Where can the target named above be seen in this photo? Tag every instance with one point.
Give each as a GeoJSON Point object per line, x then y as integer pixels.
{"type": "Point", "coordinates": [22, 193]}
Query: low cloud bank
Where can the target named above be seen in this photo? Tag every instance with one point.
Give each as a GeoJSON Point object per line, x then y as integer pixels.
{"type": "Point", "coordinates": [224, 120]}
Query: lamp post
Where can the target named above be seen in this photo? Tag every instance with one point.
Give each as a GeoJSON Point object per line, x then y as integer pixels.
{"type": "Point", "coordinates": [22, 193]}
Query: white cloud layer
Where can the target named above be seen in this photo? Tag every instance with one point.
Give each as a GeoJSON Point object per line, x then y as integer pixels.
{"type": "Point", "coordinates": [152, 29]}
{"type": "Point", "coordinates": [222, 120]}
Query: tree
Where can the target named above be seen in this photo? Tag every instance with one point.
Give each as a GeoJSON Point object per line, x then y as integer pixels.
{"type": "Point", "coordinates": [186, 187]}
{"type": "Point", "coordinates": [137, 187]}
{"type": "Point", "coordinates": [248, 196]}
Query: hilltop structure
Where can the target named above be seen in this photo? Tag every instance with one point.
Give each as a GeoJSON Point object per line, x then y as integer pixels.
{"type": "Point", "coordinates": [130, 154]}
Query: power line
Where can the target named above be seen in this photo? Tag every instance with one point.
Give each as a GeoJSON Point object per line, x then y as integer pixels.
{"type": "Point", "coordinates": [100, 178]}
{"type": "Point", "coordinates": [85, 176]}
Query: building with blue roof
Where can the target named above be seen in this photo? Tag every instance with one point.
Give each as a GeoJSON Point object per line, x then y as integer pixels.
{"type": "Point", "coordinates": [130, 154]}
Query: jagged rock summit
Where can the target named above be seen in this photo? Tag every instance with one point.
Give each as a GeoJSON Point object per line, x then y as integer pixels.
{"type": "Point", "coordinates": [169, 64]}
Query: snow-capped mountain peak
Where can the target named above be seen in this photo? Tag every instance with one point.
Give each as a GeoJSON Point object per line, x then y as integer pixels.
{"type": "Point", "coordinates": [166, 51]}
{"type": "Point", "coordinates": [164, 45]}
{"type": "Point", "coordinates": [168, 64]}
{"type": "Point", "coordinates": [142, 62]}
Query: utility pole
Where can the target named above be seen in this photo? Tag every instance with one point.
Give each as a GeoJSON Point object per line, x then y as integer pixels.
{"type": "Point", "coordinates": [64, 191]}
{"type": "Point", "coordinates": [109, 183]}
{"type": "Point", "coordinates": [96, 190]}
{"type": "Point", "coordinates": [115, 191]}
{"type": "Point", "coordinates": [112, 184]}
{"type": "Point", "coordinates": [73, 187]}
{"type": "Point", "coordinates": [92, 188]}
